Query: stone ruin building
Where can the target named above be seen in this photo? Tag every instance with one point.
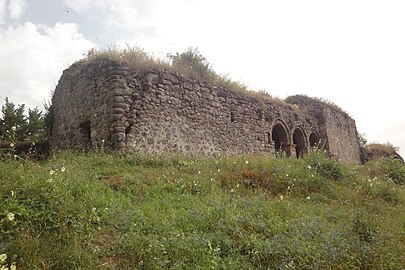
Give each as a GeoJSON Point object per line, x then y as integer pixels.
{"type": "Point", "coordinates": [108, 104]}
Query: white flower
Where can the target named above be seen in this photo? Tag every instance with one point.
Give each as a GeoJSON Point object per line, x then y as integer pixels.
{"type": "Point", "coordinates": [93, 208]}
{"type": "Point", "coordinates": [12, 193]}
{"type": "Point", "coordinates": [3, 258]}
{"type": "Point", "coordinates": [51, 172]}
{"type": "Point", "coordinates": [10, 216]}
{"type": "Point", "coordinates": [62, 169]}
{"type": "Point", "coordinates": [13, 266]}
{"type": "Point", "coordinates": [219, 170]}
{"type": "Point", "coordinates": [199, 172]}
{"type": "Point", "coordinates": [308, 198]}
{"type": "Point", "coordinates": [12, 145]}
{"type": "Point", "coordinates": [281, 197]}
{"type": "Point", "coordinates": [246, 161]}
{"type": "Point", "coordinates": [13, 128]}
{"type": "Point", "coordinates": [309, 167]}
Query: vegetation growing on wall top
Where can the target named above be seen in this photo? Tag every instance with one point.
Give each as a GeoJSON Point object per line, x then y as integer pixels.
{"type": "Point", "coordinates": [190, 63]}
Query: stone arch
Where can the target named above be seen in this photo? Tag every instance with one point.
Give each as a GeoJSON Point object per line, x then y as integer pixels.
{"type": "Point", "coordinates": [280, 136]}
{"type": "Point", "coordinates": [313, 140]}
{"type": "Point", "coordinates": [300, 142]}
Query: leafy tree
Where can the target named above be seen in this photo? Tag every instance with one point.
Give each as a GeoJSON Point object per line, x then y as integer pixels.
{"type": "Point", "coordinates": [193, 61]}
{"type": "Point", "coordinates": [363, 148]}
{"type": "Point", "coordinates": [35, 126]}
{"type": "Point", "coordinates": [17, 126]}
{"type": "Point", "coordinates": [13, 121]}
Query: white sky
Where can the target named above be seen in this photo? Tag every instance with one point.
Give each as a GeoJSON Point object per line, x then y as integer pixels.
{"type": "Point", "coordinates": [349, 52]}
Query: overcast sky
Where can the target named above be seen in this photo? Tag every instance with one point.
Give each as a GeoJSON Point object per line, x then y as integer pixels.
{"type": "Point", "coordinates": [351, 52]}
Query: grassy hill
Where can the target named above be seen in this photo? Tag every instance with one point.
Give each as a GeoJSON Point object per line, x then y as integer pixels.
{"type": "Point", "coordinates": [108, 211]}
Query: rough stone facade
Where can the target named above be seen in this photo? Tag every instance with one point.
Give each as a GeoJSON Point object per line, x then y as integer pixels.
{"type": "Point", "coordinates": [108, 104]}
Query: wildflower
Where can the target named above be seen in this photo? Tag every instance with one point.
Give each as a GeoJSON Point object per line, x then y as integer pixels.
{"type": "Point", "coordinates": [10, 216]}
{"type": "Point", "coordinates": [3, 258]}
{"type": "Point", "coordinates": [281, 197]}
{"type": "Point", "coordinates": [246, 162]}
{"type": "Point", "coordinates": [103, 141]}
{"type": "Point", "coordinates": [12, 193]}
{"type": "Point", "coordinates": [199, 172]}
{"type": "Point", "coordinates": [286, 174]}
{"type": "Point", "coordinates": [219, 170]}
{"type": "Point", "coordinates": [15, 156]}
{"type": "Point", "coordinates": [232, 190]}
{"type": "Point", "coordinates": [13, 128]}
{"type": "Point", "coordinates": [12, 145]}
{"type": "Point", "coordinates": [51, 172]}
{"type": "Point", "coordinates": [93, 208]}
{"type": "Point", "coordinates": [308, 198]}
{"type": "Point", "coordinates": [309, 167]}
{"type": "Point", "coordinates": [13, 266]}
{"type": "Point", "coordinates": [62, 169]}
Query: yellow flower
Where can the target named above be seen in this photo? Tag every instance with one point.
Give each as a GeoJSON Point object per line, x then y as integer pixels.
{"type": "Point", "coordinates": [3, 258]}
{"type": "Point", "coordinates": [10, 216]}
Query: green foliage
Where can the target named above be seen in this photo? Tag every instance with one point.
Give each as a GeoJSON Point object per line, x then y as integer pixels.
{"type": "Point", "coordinates": [16, 126]}
{"type": "Point", "coordinates": [363, 147]}
{"type": "Point", "coordinates": [109, 211]}
{"type": "Point", "coordinates": [193, 61]}
{"type": "Point", "coordinates": [330, 168]}
{"type": "Point", "coordinates": [393, 168]}
{"type": "Point", "coordinates": [13, 121]}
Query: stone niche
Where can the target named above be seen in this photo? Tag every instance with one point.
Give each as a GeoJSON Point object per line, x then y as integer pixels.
{"type": "Point", "coordinates": [108, 104]}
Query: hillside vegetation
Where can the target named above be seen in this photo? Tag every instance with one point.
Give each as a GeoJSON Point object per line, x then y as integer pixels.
{"type": "Point", "coordinates": [109, 211]}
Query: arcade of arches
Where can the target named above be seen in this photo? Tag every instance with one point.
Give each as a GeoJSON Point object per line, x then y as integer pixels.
{"type": "Point", "coordinates": [297, 145]}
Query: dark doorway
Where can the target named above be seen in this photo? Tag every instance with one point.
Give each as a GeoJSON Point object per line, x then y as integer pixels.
{"type": "Point", "coordinates": [300, 143]}
{"type": "Point", "coordinates": [280, 138]}
{"type": "Point", "coordinates": [85, 134]}
{"type": "Point", "coordinates": [313, 140]}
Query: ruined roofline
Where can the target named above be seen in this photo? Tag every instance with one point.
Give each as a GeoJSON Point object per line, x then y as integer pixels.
{"type": "Point", "coordinates": [139, 70]}
{"type": "Point", "coordinates": [315, 102]}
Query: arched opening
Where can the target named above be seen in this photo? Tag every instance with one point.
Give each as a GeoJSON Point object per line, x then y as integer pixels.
{"type": "Point", "coordinates": [313, 140]}
{"type": "Point", "coordinates": [300, 142]}
{"type": "Point", "coordinates": [280, 138]}
{"type": "Point", "coordinates": [85, 132]}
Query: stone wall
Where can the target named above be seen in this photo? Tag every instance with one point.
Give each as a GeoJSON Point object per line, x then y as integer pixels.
{"type": "Point", "coordinates": [338, 131]}
{"type": "Point", "coordinates": [108, 104]}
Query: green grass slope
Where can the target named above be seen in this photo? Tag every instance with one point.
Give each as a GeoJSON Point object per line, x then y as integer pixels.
{"type": "Point", "coordinates": [107, 211]}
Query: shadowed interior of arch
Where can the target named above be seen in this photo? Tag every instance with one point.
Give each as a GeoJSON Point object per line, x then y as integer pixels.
{"type": "Point", "coordinates": [300, 142]}
{"type": "Point", "coordinates": [313, 140]}
{"type": "Point", "coordinates": [279, 137]}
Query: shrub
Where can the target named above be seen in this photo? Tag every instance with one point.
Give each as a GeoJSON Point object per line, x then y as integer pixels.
{"type": "Point", "coordinates": [328, 167]}
{"type": "Point", "coordinates": [393, 168]}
